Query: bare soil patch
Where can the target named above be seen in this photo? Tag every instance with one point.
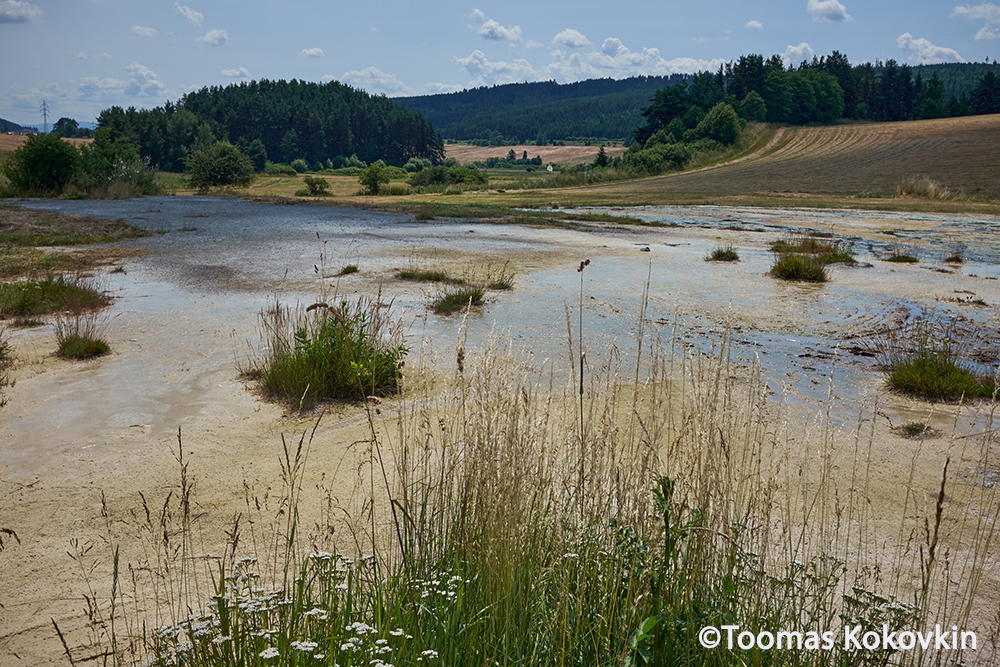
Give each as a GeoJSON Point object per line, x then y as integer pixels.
{"type": "Point", "coordinates": [467, 153]}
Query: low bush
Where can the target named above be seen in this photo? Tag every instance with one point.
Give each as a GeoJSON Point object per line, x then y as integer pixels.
{"type": "Point", "coordinates": [826, 251]}
{"type": "Point", "coordinates": [328, 352]}
{"type": "Point", "coordinates": [428, 276]}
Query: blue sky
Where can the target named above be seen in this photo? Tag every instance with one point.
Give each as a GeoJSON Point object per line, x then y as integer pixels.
{"type": "Point", "coordinates": [81, 56]}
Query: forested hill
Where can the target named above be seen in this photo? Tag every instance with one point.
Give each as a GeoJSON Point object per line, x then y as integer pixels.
{"type": "Point", "coordinates": [10, 126]}
{"type": "Point", "coordinates": [279, 121]}
{"type": "Point", "coordinates": [959, 79]}
{"type": "Point", "coordinates": [519, 112]}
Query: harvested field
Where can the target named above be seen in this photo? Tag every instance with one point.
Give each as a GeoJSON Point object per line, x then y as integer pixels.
{"type": "Point", "coordinates": [872, 158]}
{"type": "Point", "coordinates": [569, 155]}
{"type": "Point", "coordinates": [11, 142]}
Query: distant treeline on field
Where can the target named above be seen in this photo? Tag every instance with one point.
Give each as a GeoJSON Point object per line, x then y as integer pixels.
{"type": "Point", "coordinates": [278, 121]}
{"type": "Point", "coordinates": [604, 109]}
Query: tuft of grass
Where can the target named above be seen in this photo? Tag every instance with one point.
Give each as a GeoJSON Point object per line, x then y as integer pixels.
{"type": "Point", "coordinates": [726, 253]}
{"type": "Point", "coordinates": [502, 282]}
{"type": "Point", "coordinates": [798, 267]}
{"type": "Point", "coordinates": [428, 276]}
{"type": "Point", "coordinates": [935, 375]}
{"type": "Point", "coordinates": [53, 293]}
{"type": "Point", "coordinates": [457, 299]}
{"type": "Point", "coordinates": [328, 352]}
{"type": "Point", "coordinates": [80, 336]}
{"type": "Point", "coordinates": [348, 270]}
{"type": "Point", "coordinates": [915, 429]}
{"type": "Point", "coordinates": [957, 258]}
{"type": "Point", "coordinates": [828, 252]}
{"type": "Point", "coordinates": [928, 360]}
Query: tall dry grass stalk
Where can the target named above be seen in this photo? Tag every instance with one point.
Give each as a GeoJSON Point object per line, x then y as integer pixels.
{"type": "Point", "coordinates": [504, 518]}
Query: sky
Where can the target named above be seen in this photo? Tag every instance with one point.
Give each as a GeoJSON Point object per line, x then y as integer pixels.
{"type": "Point", "coordinates": [82, 56]}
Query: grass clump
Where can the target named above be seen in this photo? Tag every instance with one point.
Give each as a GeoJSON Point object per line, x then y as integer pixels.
{"type": "Point", "coordinates": [902, 259]}
{"type": "Point", "coordinates": [928, 360]}
{"type": "Point", "coordinates": [914, 429]}
{"type": "Point", "coordinates": [428, 276]}
{"type": "Point", "coordinates": [348, 270]}
{"type": "Point", "coordinates": [798, 267]}
{"type": "Point", "coordinates": [828, 252]}
{"type": "Point", "coordinates": [328, 352]}
{"type": "Point", "coordinates": [458, 299]}
{"type": "Point", "coordinates": [726, 253]}
{"type": "Point", "coordinates": [53, 293]}
{"type": "Point", "coordinates": [80, 337]}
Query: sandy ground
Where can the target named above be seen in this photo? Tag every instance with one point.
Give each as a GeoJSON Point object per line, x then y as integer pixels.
{"type": "Point", "coordinates": [79, 442]}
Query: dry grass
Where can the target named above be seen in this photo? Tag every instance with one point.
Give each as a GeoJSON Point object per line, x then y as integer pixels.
{"type": "Point", "coordinates": [564, 155]}
{"type": "Point", "coordinates": [957, 153]}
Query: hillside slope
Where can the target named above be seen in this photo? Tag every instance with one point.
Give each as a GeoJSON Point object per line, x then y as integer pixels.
{"type": "Point", "coordinates": [959, 153]}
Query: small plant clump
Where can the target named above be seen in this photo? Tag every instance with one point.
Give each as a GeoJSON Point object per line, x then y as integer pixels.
{"type": "Point", "coordinates": [315, 187]}
{"type": "Point", "coordinates": [428, 276]}
{"type": "Point", "coordinates": [329, 352]}
{"type": "Point", "coordinates": [828, 252]}
{"type": "Point", "coordinates": [915, 429]}
{"type": "Point", "coordinates": [954, 259]}
{"type": "Point", "coordinates": [726, 253]}
{"type": "Point", "coordinates": [51, 294]}
{"type": "Point", "coordinates": [798, 267]}
{"type": "Point", "coordinates": [902, 259]}
{"type": "Point", "coordinates": [79, 337]}
{"type": "Point", "coordinates": [348, 270]}
{"type": "Point", "coordinates": [458, 299]}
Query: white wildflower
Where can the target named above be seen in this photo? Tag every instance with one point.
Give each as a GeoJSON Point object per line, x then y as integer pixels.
{"type": "Point", "coordinates": [269, 652]}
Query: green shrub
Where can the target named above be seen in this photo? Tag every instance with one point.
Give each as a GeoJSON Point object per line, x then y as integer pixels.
{"type": "Point", "coordinates": [348, 270]}
{"type": "Point", "coordinates": [44, 164]}
{"type": "Point", "coordinates": [219, 164]}
{"type": "Point", "coordinates": [278, 169]}
{"type": "Point", "coordinates": [300, 165]}
{"type": "Point", "coordinates": [328, 352]}
{"type": "Point", "coordinates": [795, 266]}
{"type": "Point", "coordinates": [317, 187]}
{"type": "Point", "coordinates": [825, 251]}
{"type": "Point", "coordinates": [902, 259]}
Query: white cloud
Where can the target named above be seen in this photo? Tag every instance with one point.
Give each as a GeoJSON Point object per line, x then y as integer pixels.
{"type": "Point", "coordinates": [532, 44]}
{"type": "Point", "coordinates": [613, 60]}
{"type": "Point", "coordinates": [754, 25]}
{"type": "Point", "coordinates": [78, 54]}
{"type": "Point", "coordinates": [193, 17]}
{"type": "Point", "coordinates": [490, 29]}
{"type": "Point", "coordinates": [313, 53]}
{"type": "Point", "coordinates": [12, 11]}
{"type": "Point", "coordinates": [96, 56]}
{"type": "Point", "coordinates": [571, 38]}
{"type": "Point", "coordinates": [923, 52]}
{"type": "Point", "coordinates": [102, 56]}
{"type": "Point", "coordinates": [986, 12]}
{"type": "Point", "coordinates": [793, 55]}
{"type": "Point", "coordinates": [826, 11]}
{"type": "Point", "coordinates": [240, 73]}
{"type": "Point", "coordinates": [374, 80]}
{"type": "Point", "coordinates": [143, 31]}
{"type": "Point", "coordinates": [143, 81]}
{"type": "Point", "coordinates": [214, 37]}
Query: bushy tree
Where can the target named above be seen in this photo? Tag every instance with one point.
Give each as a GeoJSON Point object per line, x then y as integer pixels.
{"type": "Point", "coordinates": [45, 163]}
{"type": "Point", "coordinates": [220, 163]}
{"type": "Point", "coordinates": [753, 108]}
{"type": "Point", "coordinates": [720, 124]}
{"type": "Point", "coordinates": [374, 177]}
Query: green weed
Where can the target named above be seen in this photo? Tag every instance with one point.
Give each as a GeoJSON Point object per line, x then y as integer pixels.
{"type": "Point", "coordinates": [456, 299]}
{"type": "Point", "coordinates": [51, 294]}
{"type": "Point", "coordinates": [725, 253]}
{"type": "Point", "coordinates": [79, 336]}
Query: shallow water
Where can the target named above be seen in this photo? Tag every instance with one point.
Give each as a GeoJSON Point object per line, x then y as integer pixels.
{"type": "Point", "coordinates": [220, 261]}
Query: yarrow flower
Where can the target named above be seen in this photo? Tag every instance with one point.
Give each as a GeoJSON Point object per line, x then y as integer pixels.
{"type": "Point", "coordinates": [269, 652]}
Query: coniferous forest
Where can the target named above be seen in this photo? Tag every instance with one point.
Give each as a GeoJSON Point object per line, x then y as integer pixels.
{"type": "Point", "coordinates": [278, 121]}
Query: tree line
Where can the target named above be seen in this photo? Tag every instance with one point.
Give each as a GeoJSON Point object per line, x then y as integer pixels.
{"type": "Point", "coordinates": [277, 121]}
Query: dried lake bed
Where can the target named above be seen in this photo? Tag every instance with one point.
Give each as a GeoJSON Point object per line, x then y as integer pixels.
{"type": "Point", "coordinates": [186, 314]}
